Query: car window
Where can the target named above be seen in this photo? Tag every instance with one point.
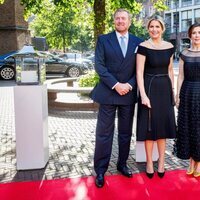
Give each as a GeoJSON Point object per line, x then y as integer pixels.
{"type": "Point", "coordinates": [71, 56]}
{"type": "Point", "coordinates": [10, 59]}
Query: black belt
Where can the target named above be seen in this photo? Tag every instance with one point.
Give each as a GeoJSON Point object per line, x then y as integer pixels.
{"type": "Point", "coordinates": [153, 76]}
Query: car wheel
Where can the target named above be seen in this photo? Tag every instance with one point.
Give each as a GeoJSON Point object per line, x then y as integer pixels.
{"type": "Point", "coordinates": [73, 72]}
{"type": "Point", "coordinates": [7, 73]}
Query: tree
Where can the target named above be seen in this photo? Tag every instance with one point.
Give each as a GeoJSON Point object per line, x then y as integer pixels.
{"type": "Point", "coordinates": [63, 27]}
{"type": "Point", "coordinates": [99, 7]}
{"type": "Point", "coordinates": [159, 5]}
{"type": "Point", "coordinates": [99, 17]}
{"type": "Point", "coordinates": [80, 18]}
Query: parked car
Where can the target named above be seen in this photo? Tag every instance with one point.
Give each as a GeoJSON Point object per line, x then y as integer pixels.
{"type": "Point", "coordinates": [77, 57]}
{"type": "Point", "coordinates": [91, 57]}
{"type": "Point", "coordinates": [73, 56]}
{"type": "Point", "coordinates": [7, 66]}
{"type": "Point", "coordinates": [70, 67]}
{"type": "Point", "coordinates": [54, 65]}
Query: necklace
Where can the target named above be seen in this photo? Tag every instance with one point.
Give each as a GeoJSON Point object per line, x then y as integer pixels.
{"type": "Point", "coordinates": [194, 49]}
{"type": "Point", "coordinates": [155, 46]}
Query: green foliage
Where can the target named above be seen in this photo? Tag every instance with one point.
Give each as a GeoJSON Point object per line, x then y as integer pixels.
{"type": "Point", "coordinates": [133, 6]}
{"type": "Point", "coordinates": [39, 6]}
{"type": "Point", "coordinates": [75, 24]}
{"type": "Point", "coordinates": [1, 1]}
{"type": "Point", "coordinates": [32, 6]}
{"type": "Point", "coordinates": [137, 28]}
{"type": "Point", "coordinates": [89, 80]}
{"type": "Point", "coordinates": [64, 27]}
{"type": "Point", "coordinates": [159, 5]}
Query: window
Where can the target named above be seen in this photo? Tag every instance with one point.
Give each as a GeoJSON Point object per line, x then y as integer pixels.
{"type": "Point", "coordinates": [186, 20]}
{"type": "Point", "coordinates": [197, 1]}
{"type": "Point", "coordinates": [197, 15]}
{"type": "Point", "coordinates": [186, 3]}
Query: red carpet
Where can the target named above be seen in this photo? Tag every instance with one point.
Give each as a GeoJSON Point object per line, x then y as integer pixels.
{"type": "Point", "coordinates": [176, 185]}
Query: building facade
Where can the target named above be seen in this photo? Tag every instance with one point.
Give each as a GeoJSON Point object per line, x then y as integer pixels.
{"type": "Point", "coordinates": [179, 17]}
{"type": "Point", "coordinates": [13, 28]}
{"type": "Point", "coordinates": [147, 11]}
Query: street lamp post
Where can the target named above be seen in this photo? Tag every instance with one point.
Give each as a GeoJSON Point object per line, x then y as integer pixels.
{"type": "Point", "coordinates": [176, 26]}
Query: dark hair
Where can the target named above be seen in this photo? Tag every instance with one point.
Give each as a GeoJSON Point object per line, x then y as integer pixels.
{"type": "Point", "coordinates": [191, 28]}
{"type": "Point", "coordinates": [156, 18]}
{"type": "Point", "coordinates": [122, 10]}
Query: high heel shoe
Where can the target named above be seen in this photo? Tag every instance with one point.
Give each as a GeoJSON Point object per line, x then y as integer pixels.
{"type": "Point", "coordinates": [150, 175]}
{"type": "Point", "coordinates": [161, 174]}
{"type": "Point", "coordinates": [150, 168]}
{"type": "Point", "coordinates": [196, 174]}
{"type": "Point", "coordinates": [192, 167]}
{"type": "Point", "coordinates": [190, 171]}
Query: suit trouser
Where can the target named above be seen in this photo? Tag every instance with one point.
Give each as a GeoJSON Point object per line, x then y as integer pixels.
{"type": "Point", "coordinates": [105, 133]}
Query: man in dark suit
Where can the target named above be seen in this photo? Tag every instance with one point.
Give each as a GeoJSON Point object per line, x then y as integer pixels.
{"type": "Point", "coordinates": [116, 92]}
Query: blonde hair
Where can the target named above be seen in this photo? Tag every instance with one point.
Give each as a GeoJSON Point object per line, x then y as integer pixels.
{"type": "Point", "coordinates": [156, 18]}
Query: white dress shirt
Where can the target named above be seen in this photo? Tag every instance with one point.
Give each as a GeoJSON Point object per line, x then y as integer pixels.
{"type": "Point", "coordinates": [126, 37]}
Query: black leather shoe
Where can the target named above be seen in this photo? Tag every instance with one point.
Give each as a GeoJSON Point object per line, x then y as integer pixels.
{"type": "Point", "coordinates": [125, 171]}
{"type": "Point", "coordinates": [99, 182]}
{"type": "Point", "coordinates": [150, 175]}
{"type": "Point", "coordinates": [161, 174]}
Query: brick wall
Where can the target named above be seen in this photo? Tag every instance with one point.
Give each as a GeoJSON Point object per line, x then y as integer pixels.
{"type": "Point", "coordinates": [13, 28]}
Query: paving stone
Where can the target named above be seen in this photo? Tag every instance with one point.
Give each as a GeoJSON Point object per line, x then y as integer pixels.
{"type": "Point", "coordinates": [71, 145]}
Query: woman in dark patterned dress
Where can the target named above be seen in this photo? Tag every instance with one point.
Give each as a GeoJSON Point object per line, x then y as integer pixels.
{"type": "Point", "coordinates": [188, 103]}
{"type": "Point", "coordinates": [155, 78]}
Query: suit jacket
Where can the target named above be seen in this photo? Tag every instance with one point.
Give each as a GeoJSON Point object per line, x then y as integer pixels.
{"type": "Point", "coordinates": [112, 67]}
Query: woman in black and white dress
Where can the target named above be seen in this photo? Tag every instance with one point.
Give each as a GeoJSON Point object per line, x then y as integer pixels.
{"type": "Point", "coordinates": [188, 103]}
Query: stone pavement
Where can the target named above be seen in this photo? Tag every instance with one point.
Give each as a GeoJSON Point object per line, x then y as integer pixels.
{"type": "Point", "coordinates": [71, 144]}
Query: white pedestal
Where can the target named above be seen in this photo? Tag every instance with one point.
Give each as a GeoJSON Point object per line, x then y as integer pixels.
{"type": "Point", "coordinates": [140, 152]}
{"type": "Point", "coordinates": [31, 126]}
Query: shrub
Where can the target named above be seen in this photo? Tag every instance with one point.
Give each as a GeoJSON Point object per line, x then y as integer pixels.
{"type": "Point", "coordinates": [88, 80]}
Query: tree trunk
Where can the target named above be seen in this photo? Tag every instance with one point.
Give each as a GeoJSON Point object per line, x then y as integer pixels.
{"type": "Point", "coordinates": [99, 18]}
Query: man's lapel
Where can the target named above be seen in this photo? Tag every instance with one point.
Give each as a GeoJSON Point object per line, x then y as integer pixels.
{"type": "Point", "coordinates": [131, 47]}
{"type": "Point", "coordinates": [130, 51]}
{"type": "Point", "coordinates": [117, 49]}
{"type": "Point", "coordinates": [115, 44]}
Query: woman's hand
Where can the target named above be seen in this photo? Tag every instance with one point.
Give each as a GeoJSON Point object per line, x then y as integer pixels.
{"type": "Point", "coordinates": [145, 101]}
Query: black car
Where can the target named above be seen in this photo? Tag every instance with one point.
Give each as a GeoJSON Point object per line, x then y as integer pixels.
{"type": "Point", "coordinates": [7, 66]}
{"type": "Point", "coordinates": [71, 68]}
{"type": "Point", "coordinates": [54, 65]}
